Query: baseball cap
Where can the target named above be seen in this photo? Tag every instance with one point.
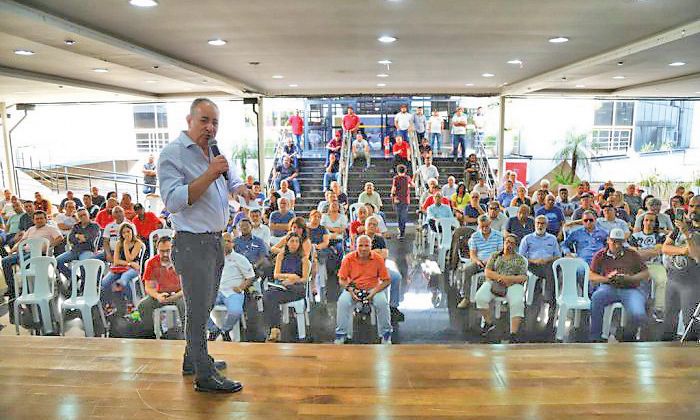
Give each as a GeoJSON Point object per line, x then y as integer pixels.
{"type": "Point", "coordinates": [617, 234]}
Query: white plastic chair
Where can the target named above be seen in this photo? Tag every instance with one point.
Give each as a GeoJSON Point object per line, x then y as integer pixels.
{"type": "Point", "coordinates": [41, 293]}
{"type": "Point", "coordinates": [512, 211]}
{"type": "Point", "coordinates": [170, 310]}
{"type": "Point", "coordinates": [607, 318]}
{"type": "Point", "coordinates": [93, 270]}
{"type": "Point", "coordinates": [531, 283]}
{"type": "Point", "coordinates": [568, 298]}
{"type": "Point", "coordinates": [447, 227]}
{"type": "Point", "coordinates": [353, 210]}
{"type": "Point", "coordinates": [36, 248]}
{"type": "Point", "coordinates": [158, 233]}
{"type": "Point", "coordinates": [219, 312]}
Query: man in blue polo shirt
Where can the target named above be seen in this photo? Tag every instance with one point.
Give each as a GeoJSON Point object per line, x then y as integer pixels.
{"type": "Point", "coordinates": [584, 243]}
{"type": "Point", "coordinates": [541, 249]}
{"type": "Point", "coordinates": [482, 244]}
{"type": "Point", "coordinates": [279, 219]}
{"type": "Point", "coordinates": [254, 249]}
{"type": "Point", "coordinates": [507, 195]}
{"type": "Point", "coordinates": [554, 215]}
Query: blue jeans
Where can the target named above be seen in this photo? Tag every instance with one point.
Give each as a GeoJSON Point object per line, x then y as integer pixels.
{"type": "Point", "coordinates": [344, 314]}
{"type": "Point", "coordinates": [293, 184]}
{"type": "Point", "coordinates": [403, 134]}
{"type": "Point", "coordinates": [328, 178]}
{"type": "Point", "coordinates": [124, 279]}
{"type": "Point", "coordinates": [234, 311]}
{"type": "Point", "coordinates": [436, 142]}
{"type": "Point", "coordinates": [395, 288]}
{"type": "Point", "coordinates": [459, 140]}
{"type": "Point", "coordinates": [68, 256]}
{"type": "Point", "coordinates": [149, 189]}
{"type": "Point", "coordinates": [633, 300]}
{"type": "Point", "coordinates": [297, 138]}
{"type": "Point", "coordinates": [402, 212]}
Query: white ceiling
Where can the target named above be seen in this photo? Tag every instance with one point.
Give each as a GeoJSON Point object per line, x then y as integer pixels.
{"type": "Point", "coordinates": [330, 47]}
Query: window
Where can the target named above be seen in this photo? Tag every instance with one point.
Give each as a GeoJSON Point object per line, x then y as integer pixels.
{"type": "Point", "coordinates": [612, 127]}
{"type": "Point", "coordinates": [663, 125]}
{"type": "Point", "coordinates": [150, 127]}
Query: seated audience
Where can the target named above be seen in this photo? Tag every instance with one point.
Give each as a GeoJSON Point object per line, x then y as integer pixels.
{"type": "Point", "coordinates": [541, 249]}
{"type": "Point", "coordinates": [633, 199]}
{"type": "Point", "coordinates": [259, 229]}
{"type": "Point", "coordinates": [357, 226]}
{"type": "Point", "coordinates": [450, 188]}
{"type": "Point", "coordinates": [498, 219]}
{"type": "Point", "coordinates": [609, 221]}
{"type": "Point", "coordinates": [360, 149]}
{"type": "Point", "coordinates": [563, 202]}
{"type": "Point", "coordinates": [663, 222]}
{"type": "Point", "coordinates": [331, 173]}
{"type": "Point", "coordinates": [522, 224]}
{"type": "Point", "coordinates": [285, 192]}
{"type": "Point", "coordinates": [482, 244]}
{"type": "Point", "coordinates": [279, 220]}
{"type": "Point", "coordinates": [97, 199]}
{"type": "Point", "coordinates": [648, 243]}
{"type": "Point", "coordinates": [473, 210]}
{"type": "Point", "coordinates": [92, 208]}
{"type": "Point", "coordinates": [145, 222]}
{"type": "Point", "coordinates": [427, 171]}
{"type": "Point", "coordinates": [297, 226]}
{"type": "Point", "coordinates": [336, 223]}
{"type": "Point", "coordinates": [254, 249]}
{"type": "Point", "coordinates": [128, 206]}
{"type": "Point", "coordinates": [460, 198]}
{"type": "Point", "coordinates": [291, 272]}
{"type": "Point", "coordinates": [369, 195]}
{"type": "Point", "coordinates": [40, 203]}
{"type": "Point", "coordinates": [438, 210]}
{"type": "Point", "coordinates": [506, 274]}
{"type": "Point", "coordinates": [116, 285]}
{"type": "Point", "coordinates": [365, 270]}
{"type": "Point", "coordinates": [521, 198]}
{"type": "Point", "coordinates": [259, 194]}
{"type": "Point", "coordinates": [236, 277]}
{"type": "Point", "coordinates": [506, 196]}
{"type": "Point", "coordinates": [622, 209]}
{"type": "Point", "coordinates": [292, 151]}
{"type": "Point", "coordinates": [620, 273]}
{"type": "Point", "coordinates": [554, 215]}
{"type": "Point", "coordinates": [65, 221]}
{"type": "Point", "coordinates": [289, 173]}
{"type": "Point", "coordinates": [334, 145]}
{"type": "Point", "coordinates": [485, 193]}
{"type": "Point", "coordinates": [471, 171]}
{"type": "Point", "coordinates": [83, 239]}
{"type": "Point", "coordinates": [104, 216]}
{"type": "Point", "coordinates": [584, 243]}
{"type": "Point", "coordinates": [341, 196]}
{"type": "Point", "coordinates": [70, 197]}
{"type": "Point", "coordinates": [585, 204]}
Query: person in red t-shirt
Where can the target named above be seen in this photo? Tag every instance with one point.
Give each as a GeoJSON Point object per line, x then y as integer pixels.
{"type": "Point", "coordinates": [297, 123]}
{"type": "Point", "coordinates": [401, 196]}
{"type": "Point", "coordinates": [351, 122]}
{"type": "Point", "coordinates": [334, 145]}
{"type": "Point", "coordinates": [145, 222]}
{"type": "Point", "coordinates": [104, 216]}
{"type": "Point", "coordinates": [162, 285]}
{"type": "Point", "coordinates": [357, 226]}
{"type": "Point", "coordinates": [402, 152]}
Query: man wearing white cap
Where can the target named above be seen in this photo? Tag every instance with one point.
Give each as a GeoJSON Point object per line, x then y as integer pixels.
{"type": "Point", "coordinates": [620, 273]}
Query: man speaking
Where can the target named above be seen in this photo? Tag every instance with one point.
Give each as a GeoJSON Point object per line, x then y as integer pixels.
{"type": "Point", "coordinates": [195, 182]}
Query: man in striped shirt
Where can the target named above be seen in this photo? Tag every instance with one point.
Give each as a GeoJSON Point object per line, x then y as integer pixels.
{"type": "Point", "coordinates": [482, 244]}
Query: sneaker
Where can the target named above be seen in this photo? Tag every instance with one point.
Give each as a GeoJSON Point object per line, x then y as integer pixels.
{"type": "Point", "coordinates": [339, 339]}
{"type": "Point", "coordinates": [487, 328]}
{"type": "Point", "coordinates": [213, 335]}
{"type": "Point", "coordinates": [386, 338]}
{"type": "Point", "coordinates": [226, 335]}
{"type": "Point", "coordinates": [463, 304]}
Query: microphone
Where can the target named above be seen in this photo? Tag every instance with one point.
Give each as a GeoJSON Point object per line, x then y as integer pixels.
{"type": "Point", "coordinates": [215, 151]}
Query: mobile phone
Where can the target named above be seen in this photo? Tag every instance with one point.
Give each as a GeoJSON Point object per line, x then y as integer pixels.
{"type": "Point", "coordinates": [679, 214]}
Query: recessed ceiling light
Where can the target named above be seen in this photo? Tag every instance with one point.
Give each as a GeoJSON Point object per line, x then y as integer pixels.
{"type": "Point", "coordinates": [677, 64]}
{"type": "Point", "coordinates": [25, 92]}
{"type": "Point", "coordinates": [293, 85]}
{"type": "Point", "coordinates": [217, 42]}
{"type": "Point", "coordinates": [515, 61]}
{"type": "Point", "coordinates": [385, 62]}
{"type": "Point", "coordinates": [469, 84]}
{"type": "Point", "coordinates": [558, 40]}
{"type": "Point", "coordinates": [382, 75]}
{"type": "Point", "coordinates": [24, 52]}
{"type": "Point", "coordinates": [381, 84]}
{"type": "Point", "coordinates": [618, 77]}
{"type": "Point", "coordinates": [487, 75]}
{"type": "Point", "coordinates": [387, 39]}
{"type": "Point", "coordinates": [143, 3]}
{"type": "Point", "coordinates": [100, 70]}
{"type": "Point", "coordinates": [580, 86]}
{"type": "Point", "coordinates": [151, 81]}
{"type": "Point", "coordinates": [278, 76]}
{"type": "Point", "coordinates": [70, 42]}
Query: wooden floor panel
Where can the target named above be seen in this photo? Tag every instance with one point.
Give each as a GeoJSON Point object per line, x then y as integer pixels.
{"type": "Point", "coordinates": [65, 377]}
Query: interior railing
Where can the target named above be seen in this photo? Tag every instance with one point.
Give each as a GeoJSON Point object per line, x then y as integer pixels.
{"type": "Point", "coordinates": [344, 164]}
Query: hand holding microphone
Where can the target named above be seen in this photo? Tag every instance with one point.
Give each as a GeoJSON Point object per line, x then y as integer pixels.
{"type": "Point", "coordinates": [218, 159]}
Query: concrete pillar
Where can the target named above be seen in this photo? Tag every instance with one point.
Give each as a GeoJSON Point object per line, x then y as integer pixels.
{"type": "Point", "coordinates": [9, 167]}
{"type": "Point", "coordinates": [262, 174]}
{"type": "Point", "coordinates": [501, 136]}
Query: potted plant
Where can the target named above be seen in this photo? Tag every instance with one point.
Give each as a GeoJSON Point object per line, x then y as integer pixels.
{"type": "Point", "coordinates": [241, 155]}
{"type": "Point", "coordinates": [577, 150]}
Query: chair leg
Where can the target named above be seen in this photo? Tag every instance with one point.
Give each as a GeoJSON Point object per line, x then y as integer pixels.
{"type": "Point", "coordinates": [531, 283]}
{"type": "Point", "coordinates": [156, 324]}
{"type": "Point", "coordinates": [86, 314]}
{"type": "Point", "coordinates": [45, 309]}
{"type": "Point", "coordinates": [17, 319]}
{"type": "Point", "coordinates": [577, 318]}
{"type": "Point", "coordinates": [104, 319]}
{"type": "Point", "coordinates": [301, 325]}
{"type": "Point", "coordinates": [62, 323]}
{"type": "Point", "coordinates": [561, 322]}
{"type": "Point", "coordinates": [607, 320]}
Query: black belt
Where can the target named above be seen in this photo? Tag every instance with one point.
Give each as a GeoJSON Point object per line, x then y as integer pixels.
{"type": "Point", "coordinates": [182, 232]}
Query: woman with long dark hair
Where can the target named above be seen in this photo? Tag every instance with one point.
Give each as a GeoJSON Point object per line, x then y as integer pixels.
{"type": "Point", "coordinates": [460, 199]}
{"type": "Point", "coordinates": [291, 273]}
{"type": "Point", "coordinates": [125, 266]}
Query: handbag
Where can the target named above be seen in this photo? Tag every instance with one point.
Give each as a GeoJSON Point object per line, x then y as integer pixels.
{"type": "Point", "coordinates": [499, 289]}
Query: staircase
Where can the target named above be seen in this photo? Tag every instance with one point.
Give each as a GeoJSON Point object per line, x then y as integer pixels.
{"type": "Point", "coordinates": [310, 177]}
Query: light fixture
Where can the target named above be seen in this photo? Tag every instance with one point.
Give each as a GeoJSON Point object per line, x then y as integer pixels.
{"type": "Point", "coordinates": [677, 64]}
{"type": "Point", "coordinates": [516, 61]}
{"type": "Point", "coordinates": [24, 52]}
{"type": "Point", "coordinates": [386, 39]}
{"type": "Point", "coordinates": [580, 86]}
{"type": "Point", "coordinates": [293, 85]}
{"type": "Point", "coordinates": [278, 76]}
{"type": "Point", "coordinates": [487, 75]}
{"type": "Point", "coordinates": [151, 81]}
{"type": "Point", "coordinates": [217, 42]}
{"type": "Point", "coordinates": [618, 77]}
{"type": "Point", "coordinates": [382, 75]}
{"type": "Point", "coordinates": [469, 84]}
{"type": "Point", "coordinates": [558, 40]}
{"type": "Point", "coordinates": [143, 3]}
{"type": "Point", "coordinates": [385, 62]}
{"type": "Point", "coordinates": [100, 70]}
{"type": "Point", "coordinates": [381, 84]}
{"type": "Point", "coordinates": [70, 42]}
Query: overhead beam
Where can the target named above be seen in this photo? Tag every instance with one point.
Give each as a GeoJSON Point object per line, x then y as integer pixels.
{"type": "Point", "coordinates": [229, 85]}
{"type": "Point", "coordinates": [544, 80]}
{"type": "Point", "coordinates": [692, 76]}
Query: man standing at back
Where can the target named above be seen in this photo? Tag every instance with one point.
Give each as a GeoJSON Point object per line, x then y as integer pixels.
{"type": "Point", "coordinates": [403, 122]}
{"type": "Point", "coordinates": [297, 123]}
{"type": "Point", "coordinates": [195, 185]}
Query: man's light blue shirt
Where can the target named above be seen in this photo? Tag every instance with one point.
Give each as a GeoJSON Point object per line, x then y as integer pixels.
{"type": "Point", "coordinates": [181, 162]}
{"type": "Point", "coordinates": [535, 247]}
{"type": "Point", "coordinates": [443, 211]}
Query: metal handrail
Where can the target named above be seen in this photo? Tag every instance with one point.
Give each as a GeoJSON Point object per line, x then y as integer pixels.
{"type": "Point", "coordinates": [344, 163]}
{"type": "Point", "coordinates": [277, 156]}
{"type": "Point", "coordinates": [485, 170]}
{"type": "Point", "coordinates": [415, 163]}
{"type": "Point", "coordinates": [82, 168]}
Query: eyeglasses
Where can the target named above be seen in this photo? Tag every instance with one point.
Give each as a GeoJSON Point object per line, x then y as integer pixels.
{"type": "Point", "coordinates": [588, 220]}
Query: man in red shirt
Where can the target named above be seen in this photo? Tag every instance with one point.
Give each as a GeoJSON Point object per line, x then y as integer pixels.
{"type": "Point", "coordinates": [297, 123]}
{"type": "Point", "coordinates": [162, 285]}
{"type": "Point", "coordinates": [402, 152]}
{"type": "Point", "coordinates": [333, 146]}
{"type": "Point", "coordinates": [104, 216]}
{"type": "Point", "coordinates": [401, 196]}
{"type": "Point", "coordinates": [145, 222]}
{"type": "Point", "coordinates": [357, 226]}
{"type": "Point", "coordinates": [351, 122]}
{"type": "Point", "coordinates": [364, 270]}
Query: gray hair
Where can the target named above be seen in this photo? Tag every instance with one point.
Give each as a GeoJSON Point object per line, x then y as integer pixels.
{"type": "Point", "coordinates": [196, 102]}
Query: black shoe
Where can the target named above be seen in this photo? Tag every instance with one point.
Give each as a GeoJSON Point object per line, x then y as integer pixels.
{"type": "Point", "coordinates": [188, 368]}
{"type": "Point", "coordinates": [515, 338]}
{"type": "Point", "coordinates": [213, 335]}
{"type": "Point", "coordinates": [217, 383]}
{"type": "Point", "coordinates": [226, 336]}
{"type": "Point", "coordinates": [396, 315]}
{"type": "Point", "coordinates": [487, 328]}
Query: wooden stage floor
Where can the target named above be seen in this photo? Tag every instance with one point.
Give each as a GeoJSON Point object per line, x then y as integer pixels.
{"type": "Point", "coordinates": [65, 378]}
